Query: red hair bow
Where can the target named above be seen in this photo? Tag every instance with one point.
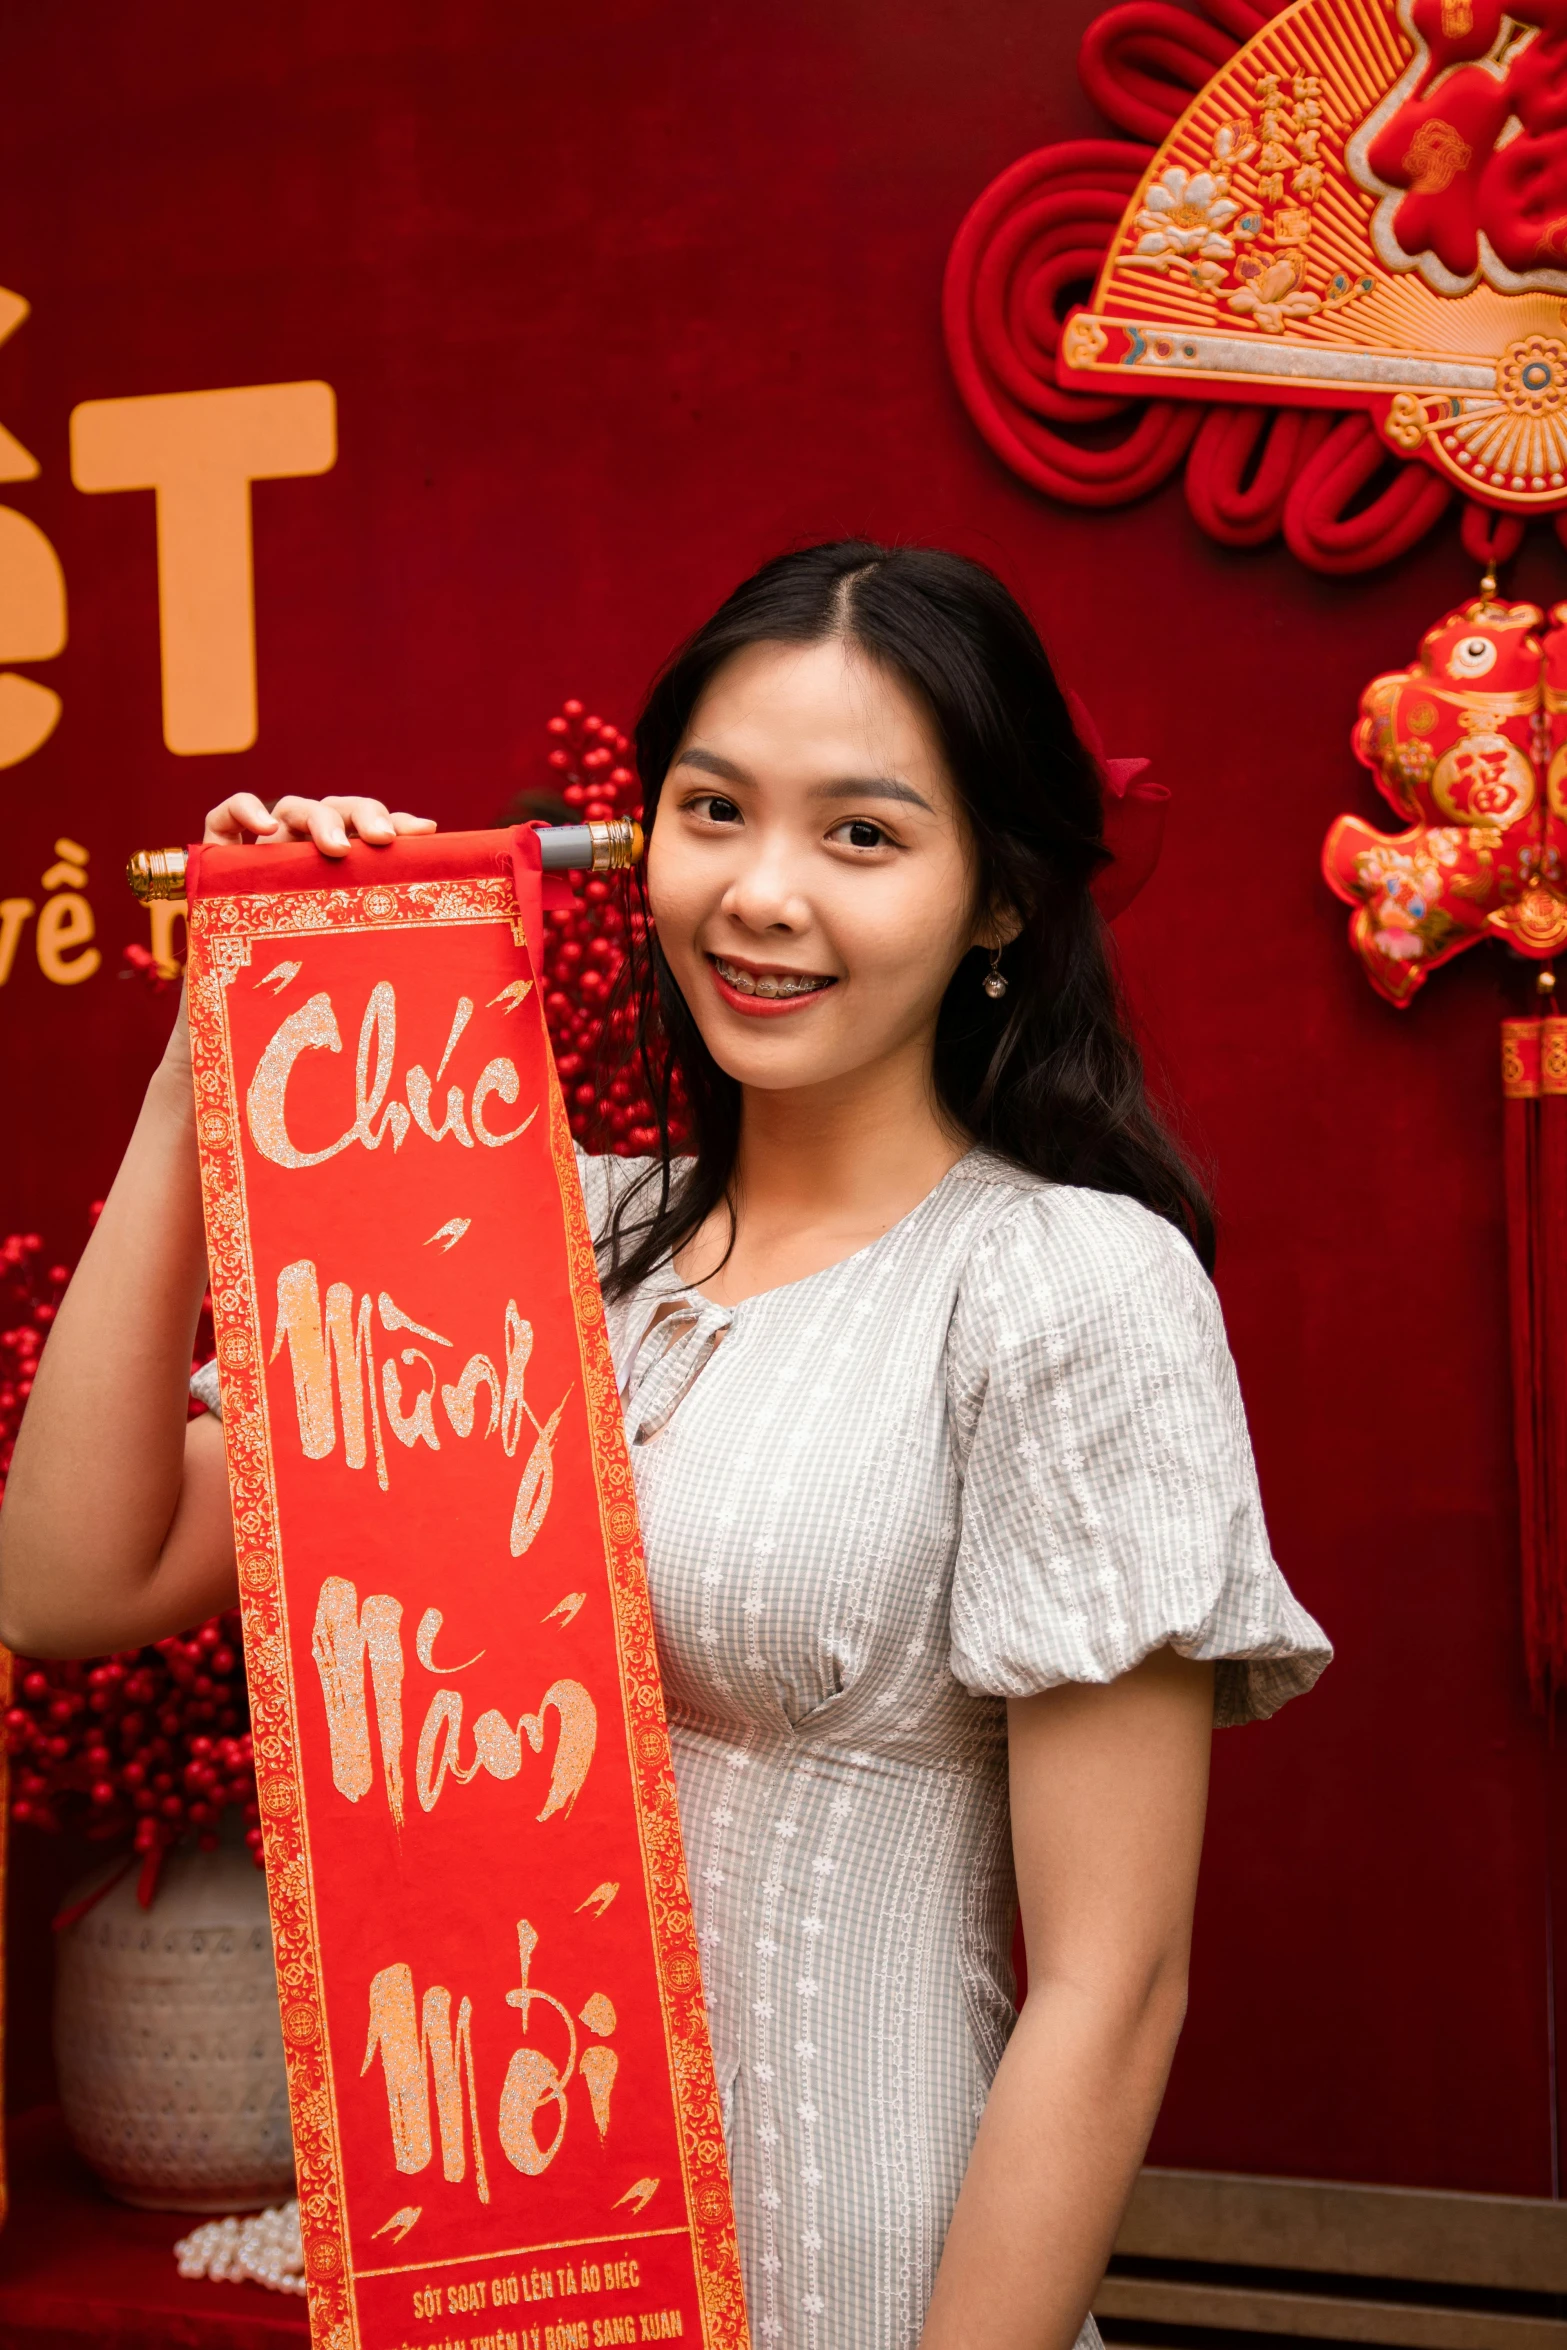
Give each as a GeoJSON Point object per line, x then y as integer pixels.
{"type": "Point", "coordinates": [1134, 818]}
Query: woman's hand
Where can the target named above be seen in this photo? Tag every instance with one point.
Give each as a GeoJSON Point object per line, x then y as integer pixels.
{"type": "Point", "coordinates": [330, 823]}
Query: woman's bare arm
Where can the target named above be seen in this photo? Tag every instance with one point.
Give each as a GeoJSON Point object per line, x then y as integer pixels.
{"type": "Point", "coordinates": [116, 1526]}
{"type": "Point", "coordinates": [1109, 1788]}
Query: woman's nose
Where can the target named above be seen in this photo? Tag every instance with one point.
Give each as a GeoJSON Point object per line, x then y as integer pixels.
{"type": "Point", "coordinates": [765, 893]}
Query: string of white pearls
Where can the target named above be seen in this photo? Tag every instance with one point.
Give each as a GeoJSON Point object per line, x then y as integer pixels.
{"type": "Point", "coordinates": [264, 2249]}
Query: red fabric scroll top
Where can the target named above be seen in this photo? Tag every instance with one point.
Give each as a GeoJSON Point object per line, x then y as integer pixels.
{"type": "Point", "coordinates": [506, 2125]}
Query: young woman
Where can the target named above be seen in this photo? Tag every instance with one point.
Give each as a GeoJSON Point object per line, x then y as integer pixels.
{"type": "Point", "coordinates": [952, 1528]}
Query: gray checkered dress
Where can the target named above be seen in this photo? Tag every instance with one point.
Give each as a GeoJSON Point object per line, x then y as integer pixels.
{"type": "Point", "coordinates": [999, 1449]}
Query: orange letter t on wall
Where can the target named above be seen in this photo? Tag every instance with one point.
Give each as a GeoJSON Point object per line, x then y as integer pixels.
{"type": "Point", "coordinates": [201, 451]}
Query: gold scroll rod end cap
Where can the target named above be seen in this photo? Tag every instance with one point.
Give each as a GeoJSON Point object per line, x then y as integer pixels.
{"type": "Point", "coordinates": [616, 844]}
{"type": "Point", "coordinates": [157, 873]}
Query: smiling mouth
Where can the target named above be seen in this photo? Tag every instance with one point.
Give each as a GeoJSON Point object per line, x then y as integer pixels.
{"type": "Point", "coordinates": [769, 984]}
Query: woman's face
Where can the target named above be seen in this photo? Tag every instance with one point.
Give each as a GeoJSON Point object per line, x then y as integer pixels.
{"type": "Point", "coordinates": [810, 871]}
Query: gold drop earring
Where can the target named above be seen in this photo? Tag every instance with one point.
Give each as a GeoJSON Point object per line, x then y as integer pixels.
{"type": "Point", "coordinates": [994, 982]}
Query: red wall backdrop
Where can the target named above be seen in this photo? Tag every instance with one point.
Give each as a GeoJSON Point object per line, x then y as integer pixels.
{"type": "Point", "coordinates": [616, 301]}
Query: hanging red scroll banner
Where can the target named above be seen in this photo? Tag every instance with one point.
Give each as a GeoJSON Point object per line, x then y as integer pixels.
{"type": "Point", "coordinates": [506, 2126]}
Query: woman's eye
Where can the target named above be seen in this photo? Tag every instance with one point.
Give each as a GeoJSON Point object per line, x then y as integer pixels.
{"type": "Point", "coordinates": [716, 809]}
{"type": "Point", "coordinates": [859, 833]}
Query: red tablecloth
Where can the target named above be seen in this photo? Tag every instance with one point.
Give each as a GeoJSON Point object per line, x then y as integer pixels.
{"type": "Point", "coordinates": [81, 2272]}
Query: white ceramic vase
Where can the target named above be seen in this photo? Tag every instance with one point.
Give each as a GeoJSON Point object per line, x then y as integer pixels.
{"type": "Point", "coordinates": [168, 2044]}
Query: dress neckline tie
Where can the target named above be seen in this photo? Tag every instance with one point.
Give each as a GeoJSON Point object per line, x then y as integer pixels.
{"type": "Point", "coordinates": [682, 1333]}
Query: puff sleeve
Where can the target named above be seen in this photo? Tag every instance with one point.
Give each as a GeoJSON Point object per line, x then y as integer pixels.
{"type": "Point", "coordinates": [1110, 1503]}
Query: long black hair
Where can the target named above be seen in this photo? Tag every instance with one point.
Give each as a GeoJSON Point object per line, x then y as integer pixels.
{"type": "Point", "coordinates": [1048, 1074]}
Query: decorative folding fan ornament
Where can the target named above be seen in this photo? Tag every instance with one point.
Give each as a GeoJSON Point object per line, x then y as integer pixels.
{"type": "Point", "coordinates": [1346, 226]}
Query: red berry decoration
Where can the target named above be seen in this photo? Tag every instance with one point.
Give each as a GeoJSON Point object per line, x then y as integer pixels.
{"type": "Point", "coordinates": [30, 1292]}
{"type": "Point", "coordinates": [155, 1744]}
{"type": "Point", "coordinates": [591, 778]}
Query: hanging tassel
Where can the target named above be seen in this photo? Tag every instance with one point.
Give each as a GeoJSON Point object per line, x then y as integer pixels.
{"type": "Point", "coordinates": [1534, 1090]}
{"type": "Point", "coordinates": [1550, 1252]}
{"type": "Point", "coordinates": [1521, 1136]}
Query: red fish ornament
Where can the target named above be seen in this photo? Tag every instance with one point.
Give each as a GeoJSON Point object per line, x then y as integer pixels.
{"type": "Point", "coordinates": [1469, 743]}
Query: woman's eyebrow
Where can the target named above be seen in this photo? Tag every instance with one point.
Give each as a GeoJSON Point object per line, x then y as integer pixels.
{"type": "Point", "coordinates": [871, 787]}
{"type": "Point", "coordinates": [712, 764]}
